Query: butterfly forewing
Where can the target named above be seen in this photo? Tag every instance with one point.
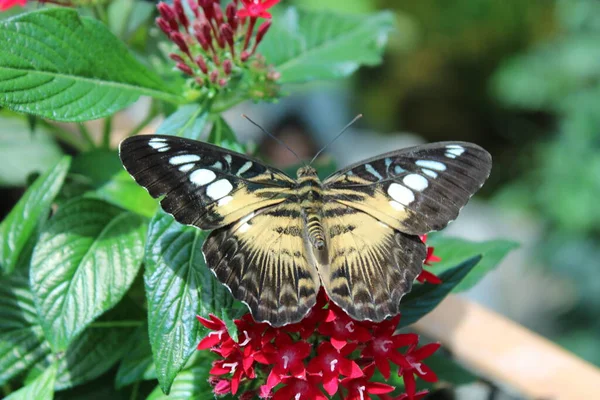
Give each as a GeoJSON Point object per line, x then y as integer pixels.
{"type": "Point", "coordinates": [203, 185]}
{"type": "Point", "coordinates": [263, 261]}
{"type": "Point", "coordinates": [414, 190]}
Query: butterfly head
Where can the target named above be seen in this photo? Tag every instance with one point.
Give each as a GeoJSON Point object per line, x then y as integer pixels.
{"type": "Point", "coordinates": [306, 171]}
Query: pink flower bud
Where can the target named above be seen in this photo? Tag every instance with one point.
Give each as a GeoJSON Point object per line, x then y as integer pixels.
{"type": "Point", "coordinates": [202, 64]}
{"type": "Point", "coordinates": [180, 13]}
{"type": "Point", "coordinates": [176, 58]}
{"type": "Point", "coordinates": [262, 30]}
{"type": "Point", "coordinates": [206, 31]}
{"type": "Point", "coordinates": [168, 15]}
{"type": "Point", "coordinates": [222, 82]}
{"type": "Point", "coordinates": [273, 75]}
{"type": "Point", "coordinates": [218, 14]}
{"type": "Point", "coordinates": [178, 39]}
{"type": "Point", "coordinates": [194, 7]}
{"type": "Point", "coordinates": [227, 34]}
{"type": "Point", "coordinates": [227, 66]}
{"type": "Point", "coordinates": [199, 81]}
{"type": "Point", "coordinates": [214, 75]}
{"type": "Point", "coordinates": [164, 26]}
{"type": "Point", "coordinates": [231, 13]}
{"type": "Point", "coordinates": [244, 56]}
{"type": "Point", "coordinates": [185, 68]}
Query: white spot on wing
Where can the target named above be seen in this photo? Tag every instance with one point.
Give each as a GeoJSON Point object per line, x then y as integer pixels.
{"type": "Point", "coordinates": [454, 150]}
{"type": "Point", "coordinates": [158, 145]}
{"type": "Point", "coordinates": [219, 189]}
{"type": "Point", "coordinates": [244, 223]}
{"type": "Point", "coordinates": [373, 171]}
{"type": "Point", "coordinates": [224, 201]}
{"type": "Point", "coordinates": [202, 177]}
{"type": "Point", "coordinates": [244, 168]}
{"type": "Point", "coordinates": [415, 182]}
{"type": "Point", "coordinates": [436, 165]}
{"type": "Point", "coordinates": [244, 228]}
{"type": "Point", "coordinates": [184, 159]}
{"type": "Point", "coordinates": [429, 172]}
{"type": "Point", "coordinates": [400, 194]}
{"type": "Point", "coordinates": [186, 167]}
{"type": "Point", "coordinates": [396, 205]}
{"type": "Point", "coordinates": [228, 158]}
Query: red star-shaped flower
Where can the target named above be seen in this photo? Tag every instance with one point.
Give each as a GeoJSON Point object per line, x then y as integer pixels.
{"type": "Point", "coordinates": [383, 347]}
{"type": "Point", "coordinates": [360, 388]}
{"type": "Point", "coordinates": [299, 389]}
{"type": "Point", "coordinates": [426, 276]}
{"type": "Point", "coordinates": [218, 335]}
{"type": "Point", "coordinates": [256, 8]}
{"type": "Point", "coordinates": [414, 358]}
{"type": "Point", "coordinates": [330, 363]}
{"type": "Point", "coordinates": [234, 364]}
{"type": "Point", "coordinates": [316, 315]}
{"type": "Point", "coordinates": [341, 328]}
{"type": "Point", "coordinates": [286, 356]}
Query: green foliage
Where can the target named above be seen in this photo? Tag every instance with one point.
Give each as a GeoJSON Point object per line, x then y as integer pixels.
{"type": "Point", "coordinates": [313, 45]}
{"type": "Point", "coordinates": [48, 69]}
{"type": "Point", "coordinates": [99, 289]}
{"type": "Point", "coordinates": [85, 260]}
{"type": "Point", "coordinates": [26, 217]}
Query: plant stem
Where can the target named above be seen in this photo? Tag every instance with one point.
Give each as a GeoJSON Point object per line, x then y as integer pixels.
{"type": "Point", "coordinates": [106, 133]}
{"type": "Point", "coordinates": [85, 134]}
{"type": "Point", "coordinates": [221, 107]}
{"type": "Point", "coordinates": [134, 390]}
{"type": "Point", "coordinates": [63, 135]}
{"type": "Point", "coordinates": [117, 324]}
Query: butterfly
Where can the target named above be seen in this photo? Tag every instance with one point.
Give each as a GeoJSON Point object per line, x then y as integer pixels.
{"type": "Point", "coordinates": [276, 240]}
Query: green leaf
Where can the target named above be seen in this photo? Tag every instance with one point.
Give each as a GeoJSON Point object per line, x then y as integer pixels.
{"type": "Point", "coordinates": [191, 383]}
{"type": "Point", "coordinates": [309, 45]}
{"type": "Point", "coordinates": [453, 250]}
{"type": "Point", "coordinates": [188, 122]}
{"type": "Point", "coordinates": [423, 298]}
{"type": "Point", "coordinates": [25, 218]}
{"type": "Point", "coordinates": [91, 354]}
{"type": "Point", "coordinates": [137, 365]}
{"type": "Point", "coordinates": [179, 286]}
{"type": "Point", "coordinates": [112, 183]}
{"type": "Point", "coordinates": [86, 259]}
{"type": "Point", "coordinates": [221, 133]}
{"type": "Point", "coordinates": [22, 341]}
{"type": "Point", "coordinates": [42, 388]}
{"type": "Point", "coordinates": [23, 153]}
{"type": "Point", "coordinates": [70, 68]}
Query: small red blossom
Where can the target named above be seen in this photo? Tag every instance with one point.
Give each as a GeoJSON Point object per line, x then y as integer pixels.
{"type": "Point", "coordinates": [414, 358]}
{"type": "Point", "coordinates": [331, 363]}
{"type": "Point", "coordinates": [426, 276]}
{"type": "Point", "coordinates": [342, 328]}
{"type": "Point", "coordinates": [360, 388]}
{"type": "Point", "coordinates": [383, 346]}
{"type": "Point", "coordinates": [256, 8]}
{"type": "Point", "coordinates": [6, 4]}
{"type": "Point", "coordinates": [325, 351]}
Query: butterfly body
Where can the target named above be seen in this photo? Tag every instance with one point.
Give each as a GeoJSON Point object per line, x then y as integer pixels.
{"type": "Point", "coordinates": [276, 240]}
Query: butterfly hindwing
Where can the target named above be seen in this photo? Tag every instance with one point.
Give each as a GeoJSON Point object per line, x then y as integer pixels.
{"type": "Point", "coordinates": [414, 190]}
{"type": "Point", "coordinates": [263, 261]}
{"type": "Point", "coordinates": [203, 185]}
{"type": "Point", "coordinates": [372, 265]}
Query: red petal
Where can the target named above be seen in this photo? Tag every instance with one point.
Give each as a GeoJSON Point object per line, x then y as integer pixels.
{"type": "Point", "coordinates": [243, 13]}
{"type": "Point", "coordinates": [265, 15]}
{"type": "Point", "coordinates": [338, 344]}
{"type": "Point", "coordinates": [379, 388]}
{"type": "Point", "coordinates": [409, 384]}
{"type": "Point", "coordinates": [330, 385]}
{"type": "Point", "coordinates": [426, 276]}
{"type": "Point", "coordinates": [383, 366]}
{"type": "Point", "coordinates": [269, 3]}
{"type": "Point", "coordinates": [428, 375]}
{"type": "Point", "coordinates": [425, 351]}
{"type": "Point", "coordinates": [208, 342]}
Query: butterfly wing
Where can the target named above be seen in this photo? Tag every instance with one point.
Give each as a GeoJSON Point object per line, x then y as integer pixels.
{"type": "Point", "coordinates": [372, 265]}
{"type": "Point", "coordinates": [414, 190]}
{"type": "Point", "coordinates": [262, 260]}
{"type": "Point", "coordinates": [203, 185]}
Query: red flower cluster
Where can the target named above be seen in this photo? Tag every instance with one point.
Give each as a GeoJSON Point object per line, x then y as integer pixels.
{"type": "Point", "coordinates": [426, 276]}
{"type": "Point", "coordinates": [216, 44]}
{"type": "Point", "coordinates": [6, 4]}
{"type": "Point", "coordinates": [327, 352]}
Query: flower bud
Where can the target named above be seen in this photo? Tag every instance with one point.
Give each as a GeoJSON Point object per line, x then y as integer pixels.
{"type": "Point", "coordinates": [245, 56]}
{"type": "Point", "coordinates": [180, 13]}
{"type": "Point", "coordinates": [194, 7]}
{"type": "Point", "coordinates": [262, 30]}
{"type": "Point", "coordinates": [185, 68]}
{"type": "Point", "coordinates": [231, 13]}
{"type": "Point", "coordinates": [273, 75]}
{"type": "Point", "coordinates": [176, 58]}
{"type": "Point", "coordinates": [168, 15]}
{"type": "Point", "coordinates": [202, 64]}
{"type": "Point", "coordinates": [218, 13]}
{"type": "Point", "coordinates": [227, 66]}
{"type": "Point", "coordinates": [164, 26]}
{"type": "Point", "coordinates": [178, 39]}
{"type": "Point", "coordinates": [227, 34]}
{"type": "Point", "coordinates": [214, 75]}
{"type": "Point", "coordinates": [222, 82]}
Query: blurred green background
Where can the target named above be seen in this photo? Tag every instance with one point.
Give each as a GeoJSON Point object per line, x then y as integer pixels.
{"type": "Point", "coordinates": [522, 79]}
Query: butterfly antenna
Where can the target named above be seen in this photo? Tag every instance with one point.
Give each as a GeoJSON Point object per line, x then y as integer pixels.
{"type": "Point", "coordinates": [274, 137]}
{"type": "Point", "coordinates": [359, 116]}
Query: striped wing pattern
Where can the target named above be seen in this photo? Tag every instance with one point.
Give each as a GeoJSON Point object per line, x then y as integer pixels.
{"type": "Point", "coordinates": [203, 185]}
{"type": "Point", "coordinates": [372, 265]}
{"type": "Point", "coordinates": [263, 261]}
{"type": "Point", "coordinates": [415, 190]}
{"type": "Point", "coordinates": [276, 240]}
